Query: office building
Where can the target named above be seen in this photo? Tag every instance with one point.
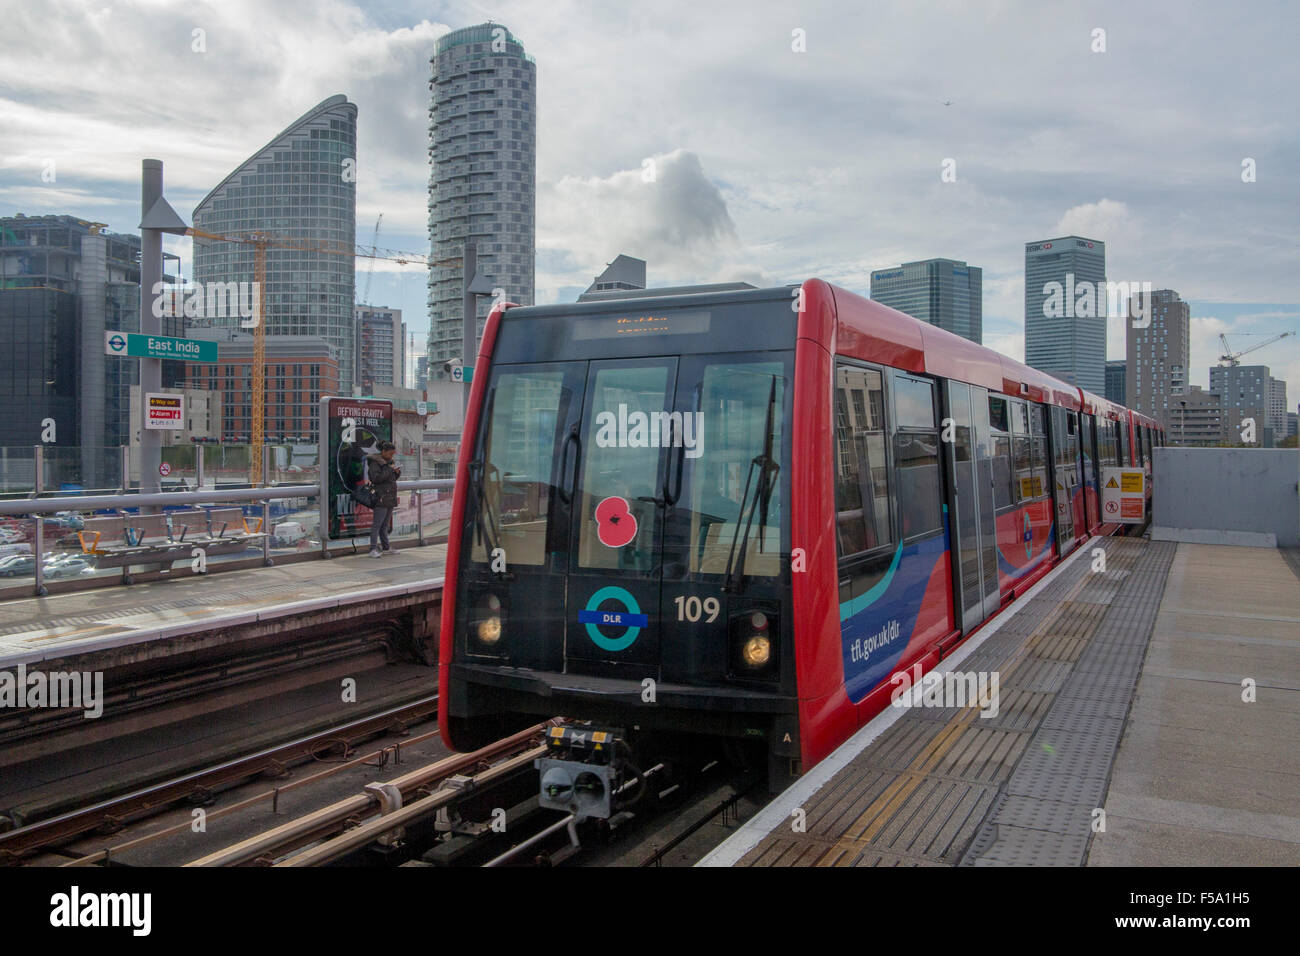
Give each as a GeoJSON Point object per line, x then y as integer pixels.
{"type": "Point", "coordinates": [482, 178]}
{"type": "Point", "coordinates": [1157, 346]}
{"type": "Point", "coordinates": [381, 348]}
{"type": "Point", "coordinates": [1116, 371]}
{"type": "Point", "coordinates": [300, 187]}
{"type": "Point", "coordinates": [624, 274]}
{"type": "Point", "coordinates": [300, 369]}
{"type": "Point", "coordinates": [943, 292]}
{"type": "Point", "coordinates": [1065, 309]}
{"type": "Point", "coordinates": [64, 283]}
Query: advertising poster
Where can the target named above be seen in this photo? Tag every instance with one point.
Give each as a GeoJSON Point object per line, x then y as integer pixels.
{"type": "Point", "coordinates": [352, 429]}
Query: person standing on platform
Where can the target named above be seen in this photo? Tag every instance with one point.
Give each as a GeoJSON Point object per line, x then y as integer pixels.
{"type": "Point", "coordinates": [383, 472]}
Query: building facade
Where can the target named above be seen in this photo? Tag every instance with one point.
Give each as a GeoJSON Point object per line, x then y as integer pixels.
{"type": "Point", "coordinates": [300, 369]}
{"type": "Point", "coordinates": [1245, 392]}
{"type": "Point", "coordinates": [624, 274]}
{"type": "Point", "coordinates": [1065, 325]}
{"type": "Point", "coordinates": [482, 178]}
{"type": "Point", "coordinates": [943, 292]}
{"type": "Point", "coordinates": [1196, 418]}
{"type": "Point", "coordinates": [1277, 407]}
{"type": "Point", "coordinates": [1116, 372]}
{"type": "Point", "coordinates": [301, 187]}
{"type": "Point", "coordinates": [1158, 355]}
{"type": "Point", "coordinates": [380, 348]}
{"type": "Point", "coordinates": [64, 283]}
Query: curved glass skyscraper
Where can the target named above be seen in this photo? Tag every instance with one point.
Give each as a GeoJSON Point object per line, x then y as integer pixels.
{"type": "Point", "coordinates": [483, 174]}
{"type": "Point", "coordinates": [301, 185]}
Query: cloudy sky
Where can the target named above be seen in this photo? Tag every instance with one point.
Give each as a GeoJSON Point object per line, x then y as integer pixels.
{"type": "Point", "coordinates": [773, 165]}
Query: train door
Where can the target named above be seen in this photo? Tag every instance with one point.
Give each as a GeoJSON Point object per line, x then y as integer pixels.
{"type": "Point", "coordinates": [616, 541]}
{"type": "Point", "coordinates": [1065, 476]}
{"type": "Point", "coordinates": [970, 478]}
{"type": "Point", "coordinates": [1088, 459]}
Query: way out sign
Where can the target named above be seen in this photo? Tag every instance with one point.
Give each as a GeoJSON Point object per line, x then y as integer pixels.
{"type": "Point", "coordinates": [1123, 495]}
{"type": "Point", "coordinates": [164, 411]}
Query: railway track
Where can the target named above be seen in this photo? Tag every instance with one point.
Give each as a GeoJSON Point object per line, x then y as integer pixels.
{"type": "Point", "coordinates": [198, 787]}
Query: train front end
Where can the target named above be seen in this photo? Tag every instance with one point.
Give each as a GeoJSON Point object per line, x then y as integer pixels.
{"type": "Point", "coordinates": [620, 540]}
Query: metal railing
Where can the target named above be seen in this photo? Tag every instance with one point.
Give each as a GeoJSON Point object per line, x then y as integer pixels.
{"type": "Point", "coordinates": [38, 506]}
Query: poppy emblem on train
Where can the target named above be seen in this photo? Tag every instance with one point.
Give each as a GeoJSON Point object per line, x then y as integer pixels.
{"type": "Point", "coordinates": [615, 524]}
{"type": "Point", "coordinates": [629, 617]}
{"type": "Point", "coordinates": [1028, 535]}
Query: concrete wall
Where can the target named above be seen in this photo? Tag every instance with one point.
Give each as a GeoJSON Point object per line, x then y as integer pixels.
{"type": "Point", "coordinates": [1227, 495]}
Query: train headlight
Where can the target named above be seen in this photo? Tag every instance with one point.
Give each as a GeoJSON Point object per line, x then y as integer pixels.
{"type": "Point", "coordinates": [757, 651]}
{"type": "Point", "coordinates": [487, 627]}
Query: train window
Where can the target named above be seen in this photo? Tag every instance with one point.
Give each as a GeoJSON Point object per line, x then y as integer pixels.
{"type": "Point", "coordinates": [1019, 419]}
{"type": "Point", "coordinates": [737, 400]}
{"type": "Point", "coordinates": [999, 423]}
{"type": "Point", "coordinates": [627, 471]}
{"type": "Point", "coordinates": [528, 407]}
{"type": "Point", "coordinates": [1038, 450]}
{"type": "Point", "coordinates": [861, 473]}
{"type": "Point", "coordinates": [998, 415]}
{"type": "Point", "coordinates": [913, 403]}
{"type": "Point", "coordinates": [1002, 488]}
{"type": "Point", "coordinates": [916, 456]}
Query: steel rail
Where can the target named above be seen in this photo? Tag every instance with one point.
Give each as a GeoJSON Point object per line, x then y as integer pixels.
{"type": "Point", "coordinates": [358, 837]}
{"type": "Point", "coordinates": [56, 830]}
{"type": "Point", "coordinates": [314, 824]}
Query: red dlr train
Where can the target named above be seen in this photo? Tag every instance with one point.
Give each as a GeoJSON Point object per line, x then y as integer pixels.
{"type": "Point", "coordinates": [738, 513]}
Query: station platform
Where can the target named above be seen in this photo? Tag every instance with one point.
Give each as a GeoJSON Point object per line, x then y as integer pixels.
{"type": "Point", "coordinates": [1121, 736]}
{"type": "Point", "coordinates": [127, 624]}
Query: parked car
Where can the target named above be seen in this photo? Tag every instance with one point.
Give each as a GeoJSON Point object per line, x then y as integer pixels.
{"type": "Point", "coordinates": [71, 568]}
{"type": "Point", "coordinates": [18, 565]}
{"type": "Point", "coordinates": [10, 535]}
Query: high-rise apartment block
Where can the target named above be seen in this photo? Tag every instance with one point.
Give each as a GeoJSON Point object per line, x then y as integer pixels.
{"type": "Point", "coordinates": [483, 176]}
{"type": "Point", "coordinates": [1157, 345]}
{"type": "Point", "coordinates": [381, 348]}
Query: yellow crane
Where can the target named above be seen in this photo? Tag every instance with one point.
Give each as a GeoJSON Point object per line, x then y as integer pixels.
{"type": "Point", "coordinates": [261, 241]}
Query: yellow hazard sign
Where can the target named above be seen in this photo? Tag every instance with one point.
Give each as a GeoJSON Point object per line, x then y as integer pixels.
{"type": "Point", "coordinates": [1112, 483]}
{"type": "Point", "coordinates": [1130, 482]}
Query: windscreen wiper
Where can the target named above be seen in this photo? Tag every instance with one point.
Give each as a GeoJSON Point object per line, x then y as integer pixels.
{"type": "Point", "coordinates": [767, 469]}
{"type": "Point", "coordinates": [484, 520]}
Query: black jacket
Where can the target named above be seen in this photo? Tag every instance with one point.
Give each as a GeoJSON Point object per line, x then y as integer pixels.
{"type": "Point", "coordinates": [384, 478]}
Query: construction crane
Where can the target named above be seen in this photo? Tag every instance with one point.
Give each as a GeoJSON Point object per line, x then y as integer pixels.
{"type": "Point", "coordinates": [370, 267]}
{"type": "Point", "coordinates": [261, 241]}
{"type": "Point", "coordinates": [1229, 358]}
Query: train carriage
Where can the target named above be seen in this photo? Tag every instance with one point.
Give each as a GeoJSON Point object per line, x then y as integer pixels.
{"type": "Point", "coordinates": [739, 513]}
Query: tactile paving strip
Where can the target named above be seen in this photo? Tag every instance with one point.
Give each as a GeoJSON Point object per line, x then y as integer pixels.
{"type": "Point", "coordinates": [1043, 815]}
{"type": "Point", "coordinates": [943, 786]}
